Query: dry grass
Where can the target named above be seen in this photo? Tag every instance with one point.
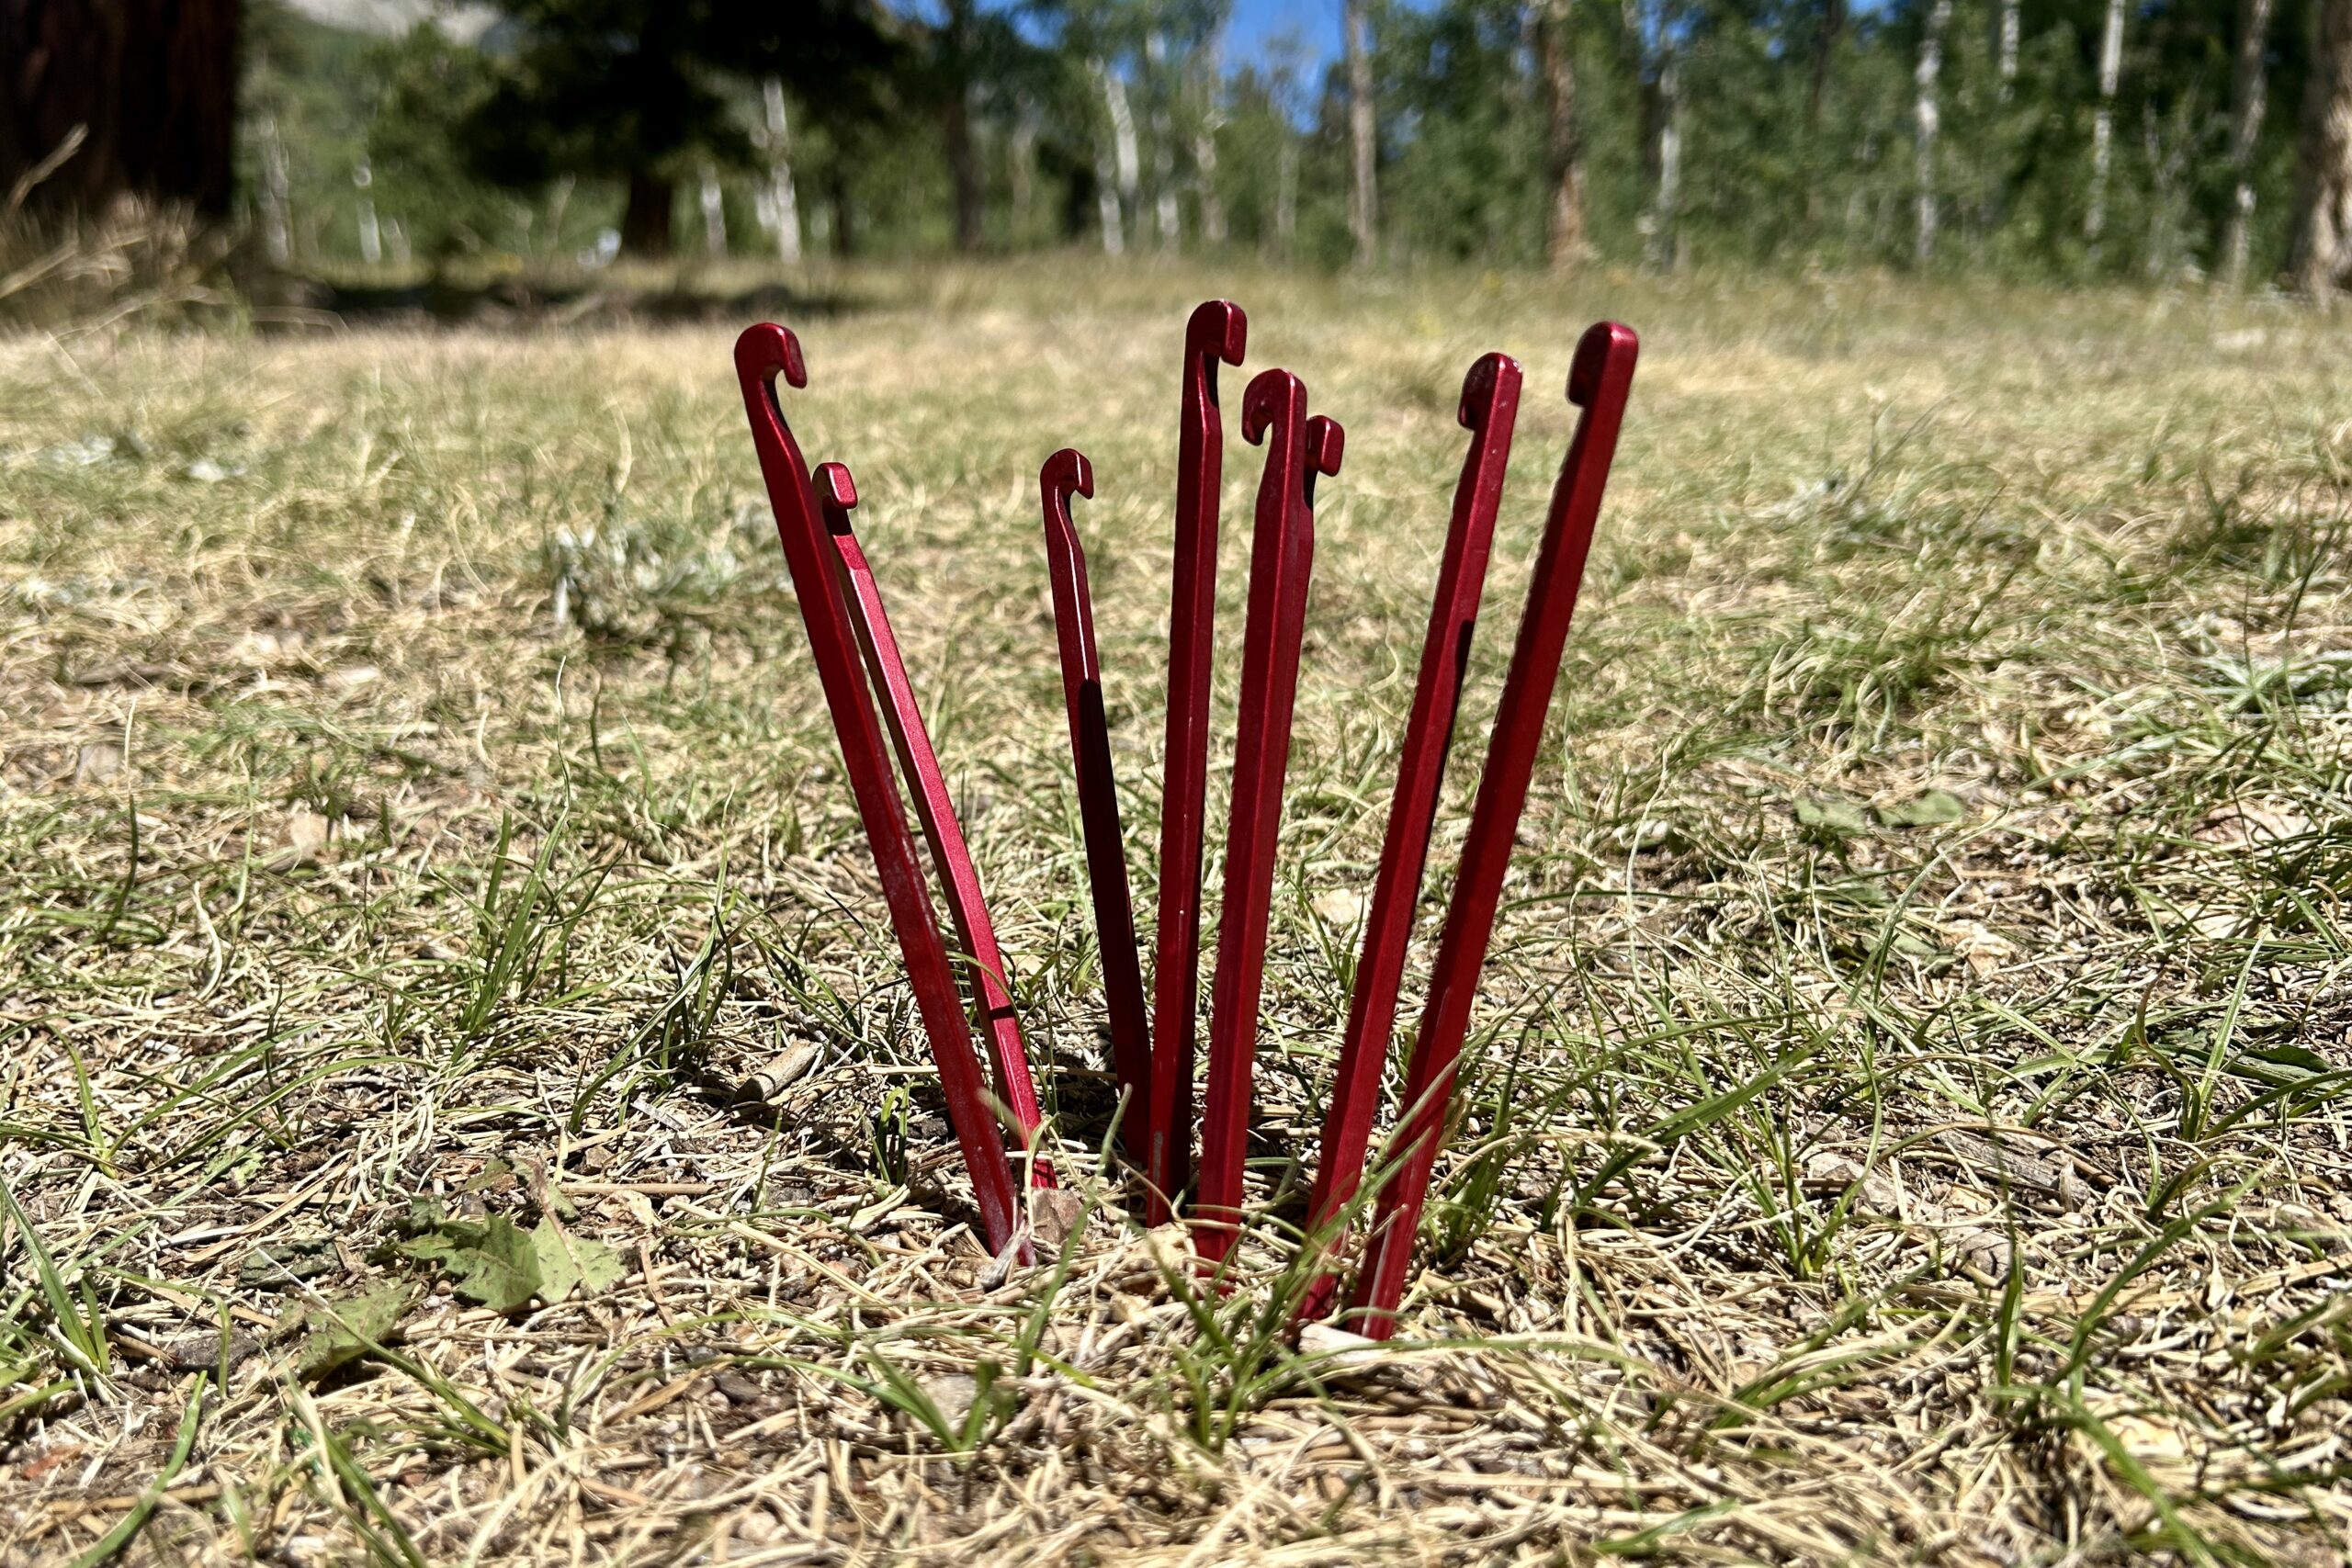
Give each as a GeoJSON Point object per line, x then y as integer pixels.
{"type": "Point", "coordinates": [412, 783]}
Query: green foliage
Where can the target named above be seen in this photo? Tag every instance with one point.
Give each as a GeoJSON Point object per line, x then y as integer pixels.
{"type": "Point", "coordinates": [336, 1333]}
{"type": "Point", "coordinates": [1798, 140]}
{"type": "Point", "coordinates": [496, 1264]}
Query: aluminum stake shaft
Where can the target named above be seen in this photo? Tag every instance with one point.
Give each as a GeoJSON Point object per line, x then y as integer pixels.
{"type": "Point", "coordinates": [1599, 380]}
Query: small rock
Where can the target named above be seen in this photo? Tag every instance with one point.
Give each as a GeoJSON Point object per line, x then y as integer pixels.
{"type": "Point", "coordinates": [1342, 909]}
{"type": "Point", "coordinates": [1347, 1352]}
{"type": "Point", "coordinates": [952, 1394]}
{"type": "Point", "coordinates": [738, 1388]}
{"type": "Point", "coordinates": [97, 762]}
{"type": "Point", "coordinates": [1985, 1254]}
{"type": "Point", "coordinates": [305, 838]}
{"type": "Point", "coordinates": [1054, 1213]}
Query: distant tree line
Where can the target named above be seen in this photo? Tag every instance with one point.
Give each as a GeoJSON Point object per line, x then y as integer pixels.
{"type": "Point", "coordinates": [2166, 140]}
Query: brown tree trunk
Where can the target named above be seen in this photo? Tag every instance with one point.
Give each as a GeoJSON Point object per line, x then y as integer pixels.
{"type": "Point", "coordinates": [840, 203]}
{"type": "Point", "coordinates": [152, 82]}
{"type": "Point", "coordinates": [1826, 34]}
{"type": "Point", "coordinates": [1363, 135]}
{"type": "Point", "coordinates": [645, 220]}
{"type": "Point", "coordinates": [963, 170]}
{"type": "Point", "coordinates": [2249, 97]}
{"type": "Point", "coordinates": [1564, 138]}
{"type": "Point", "coordinates": [1832, 26]}
{"type": "Point", "coordinates": [2322, 261]}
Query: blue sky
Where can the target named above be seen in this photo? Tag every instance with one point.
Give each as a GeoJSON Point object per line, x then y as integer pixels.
{"type": "Point", "coordinates": [1254, 22]}
{"type": "Point", "coordinates": [1316, 23]}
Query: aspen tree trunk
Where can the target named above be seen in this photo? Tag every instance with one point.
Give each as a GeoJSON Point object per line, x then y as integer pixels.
{"type": "Point", "coordinates": [714, 214]}
{"type": "Point", "coordinates": [1363, 196]}
{"type": "Point", "coordinates": [371, 234]}
{"type": "Point", "coordinates": [2110, 73]}
{"type": "Point", "coordinates": [2250, 100]}
{"type": "Point", "coordinates": [1928, 118]}
{"type": "Point", "coordinates": [1287, 192]}
{"type": "Point", "coordinates": [1204, 130]}
{"type": "Point", "coordinates": [277, 199]}
{"type": "Point", "coordinates": [1163, 144]}
{"type": "Point", "coordinates": [1666, 237]}
{"type": "Point", "coordinates": [1111, 158]}
{"type": "Point", "coordinates": [783, 201]}
{"type": "Point", "coordinates": [1123, 143]}
{"type": "Point", "coordinates": [1022, 154]}
{"type": "Point", "coordinates": [1563, 142]}
{"type": "Point", "coordinates": [2322, 262]}
{"type": "Point", "coordinates": [2004, 47]}
{"type": "Point", "coordinates": [1106, 202]}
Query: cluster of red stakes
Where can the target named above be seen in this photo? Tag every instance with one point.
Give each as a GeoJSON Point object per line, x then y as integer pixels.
{"type": "Point", "coordinates": [1152, 1039]}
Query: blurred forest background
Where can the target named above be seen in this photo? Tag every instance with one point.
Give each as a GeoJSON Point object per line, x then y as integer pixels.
{"type": "Point", "coordinates": [2168, 140]}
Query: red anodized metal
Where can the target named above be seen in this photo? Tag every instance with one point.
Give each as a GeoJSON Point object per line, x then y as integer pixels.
{"type": "Point", "coordinates": [762, 353]}
{"type": "Point", "coordinates": [1598, 382]}
{"type": "Point", "coordinates": [1067, 473]}
{"type": "Point", "coordinates": [1217, 330]}
{"type": "Point", "coordinates": [935, 810]}
{"type": "Point", "coordinates": [1281, 558]}
{"type": "Point", "coordinates": [1489, 410]}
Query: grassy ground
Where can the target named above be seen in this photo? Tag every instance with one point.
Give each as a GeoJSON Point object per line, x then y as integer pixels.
{"type": "Point", "coordinates": [1907, 1120]}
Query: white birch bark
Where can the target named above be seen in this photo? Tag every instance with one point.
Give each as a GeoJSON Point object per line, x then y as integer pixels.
{"type": "Point", "coordinates": [1927, 120]}
{"type": "Point", "coordinates": [714, 213]}
{"type": "Point", "coordinates": [781, 201]}
{"type": "Point", "coordinates": [2005, 47]}
{"type": "Point", "coordinates": [1209, 121]}
{"type": "Point", "coordinates": [2110, 73]}
{"type": "Point", "coordinates": [276, 203]}
{"type": "Point", "coordinates": [1666, 238]}
{"type": "Point", "coordinates": [371, 235]}
{"type": "Point", "coordinates": [1109, 165]}
{"type": "Point", "coordinates": [1123, 143]}
{"type": "Point", "coordinates": [1163, 142]}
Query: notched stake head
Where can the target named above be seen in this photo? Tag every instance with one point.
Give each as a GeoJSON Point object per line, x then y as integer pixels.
{"type": "Point", "coordinates": [767, 350]}
{"type": "Point", "coordinates": [1273, 394]}
{"type": "Point", "coordinates": [1493, 378]}
{"type": "Point", "coordinates": [1067, 473]}
{"type": "Point", "coordinates": [1325, 440]}
{"type": "Point", "coordinates": [1218, 330]}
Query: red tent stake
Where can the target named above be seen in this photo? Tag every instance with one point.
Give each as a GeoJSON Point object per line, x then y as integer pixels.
{"type": "Point", "coordinates": [1066, 473]}
{"type": "Point", "coordinates": [1282, 558]}
{"type": "Point", "coordinates": [935, 810]}
{"type": "Point", "coordinates": [1217, 330]}
{"type": "Point", "coordinates": [762, 353]}
{"type": "Point", "coordinates": [1490, 408]}
{"type": "Point", "coordinates": [1599, 381]}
